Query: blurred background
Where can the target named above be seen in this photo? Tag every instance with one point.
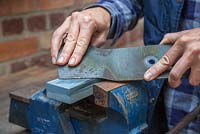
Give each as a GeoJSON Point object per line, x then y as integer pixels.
{"type": "Point", "coordinates": [26, 27]}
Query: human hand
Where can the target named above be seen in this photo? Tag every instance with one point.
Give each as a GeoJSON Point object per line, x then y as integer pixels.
{"type": "Point", "coordinates": [78, 31]}
{"type": "Point", "coordinates": [184, 55]}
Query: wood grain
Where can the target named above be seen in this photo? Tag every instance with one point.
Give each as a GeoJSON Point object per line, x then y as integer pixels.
{"type": "Point", "coordinates": [33, 77]}
{"type": "Point", "coordinates": [101, 91]}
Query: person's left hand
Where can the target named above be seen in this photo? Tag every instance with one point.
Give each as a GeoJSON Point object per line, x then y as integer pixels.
{"type": "Point", "coordinates": [184, 55]}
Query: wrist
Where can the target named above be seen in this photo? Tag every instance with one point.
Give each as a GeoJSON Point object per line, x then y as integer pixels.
{"type": "Point", "coordinates": [102, 17]}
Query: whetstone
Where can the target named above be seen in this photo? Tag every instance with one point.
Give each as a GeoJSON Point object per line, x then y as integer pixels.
{"type": "Point", "coordinates": [70, 91]}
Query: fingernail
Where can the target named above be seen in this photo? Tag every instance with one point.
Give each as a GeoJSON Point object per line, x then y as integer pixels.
{"type": "Point", "coordinates": [53, 60]}
{"type": "Point", "coordinates": [148, 75]}
{"type": "Point", "coordinates": [60, 59]}
{"type": "Point", "coordinates": [72, 61]}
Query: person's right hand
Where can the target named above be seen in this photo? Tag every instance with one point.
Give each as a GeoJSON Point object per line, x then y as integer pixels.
{"type": "Point", "coordinates": [80, 29]}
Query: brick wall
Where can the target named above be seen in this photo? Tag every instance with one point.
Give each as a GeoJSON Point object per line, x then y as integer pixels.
{"type": "Point", "coordinates": [26, 27]}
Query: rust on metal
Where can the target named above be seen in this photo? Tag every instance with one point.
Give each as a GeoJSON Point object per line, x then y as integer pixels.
{"type": "Point", "coordinates": [121, 102]}
{"type": "Point", "coordinates": [101, 90]}
{"type": "Point", "coordinates": [131, 96]}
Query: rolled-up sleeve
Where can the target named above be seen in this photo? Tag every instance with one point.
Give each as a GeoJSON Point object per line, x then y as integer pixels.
{"type": "Point", "coordinates": [124, 15]}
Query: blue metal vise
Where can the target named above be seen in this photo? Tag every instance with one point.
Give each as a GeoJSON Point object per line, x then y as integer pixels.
{"type": "Point", "coordinates": [85, 106]}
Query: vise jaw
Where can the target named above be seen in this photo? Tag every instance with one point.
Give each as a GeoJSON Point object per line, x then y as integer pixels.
{"type": "Point", "coordinates": [85, 106]}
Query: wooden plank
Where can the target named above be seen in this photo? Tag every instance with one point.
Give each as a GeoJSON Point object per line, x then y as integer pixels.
{"type": "Point", "coordinates": [33, 77]}
{"type": "Point", "coordinates": [24, 94]}
{"type": "Point", "coordinates": [101, 90]}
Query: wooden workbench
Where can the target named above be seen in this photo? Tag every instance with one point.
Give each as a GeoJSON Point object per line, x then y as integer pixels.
{"type": "Point", "coordinates": [35, 76]}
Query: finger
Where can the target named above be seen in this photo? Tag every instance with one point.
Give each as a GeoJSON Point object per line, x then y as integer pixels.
{"type": "Point", "coordinates": [70, 40]}
{"type": "Point", "coordinates": [172, 37]}
{"type": "Point", "coordinates": [87, 28]}
{"type": "Point", "coordinates": [164, 63]}
{"type": "Point", "coordinates": [183, 64]}
{"type": "Point", "coordinates": [57, 37]}
{"type": "Point", "coordinates": [194, 78]}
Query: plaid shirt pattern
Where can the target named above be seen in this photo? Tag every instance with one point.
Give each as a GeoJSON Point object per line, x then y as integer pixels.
{"type": "Point", "coordinates": [185, 98]}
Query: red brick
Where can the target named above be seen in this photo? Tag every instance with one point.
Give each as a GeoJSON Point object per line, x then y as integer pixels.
{"type": "Point", "coordinates": [52, 4]}
{"type": "Point", "coordinates": [43, 60]}
{"type": "Point", "coordinates": [19, 66]}
{"type": "Point", "coordinates": [37, 23]}
{"type": "Point", "coordinates": [0, 30]}
{"type": "Point", "coordinates": [18, 48]}
{"type": "Point", "coordinates": [5, 7]}
{"type": "Point", "coordinates": [8, 7]}
{"type": "Point", "coordinates": [56, 19]}
{"type": "Point", "coordinates": [4, 69]}
{"type": "Point", "coordinates": [22, 6]}
{"type": "Point", "coordinates": [12, 26]}
{"type": "Point", "coordinates": [45, 39]}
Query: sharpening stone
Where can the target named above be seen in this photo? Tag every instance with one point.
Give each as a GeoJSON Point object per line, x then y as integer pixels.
{"type": "Point", "coordinates": [71, 90]}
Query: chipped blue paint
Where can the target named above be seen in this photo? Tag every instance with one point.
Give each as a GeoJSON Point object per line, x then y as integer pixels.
{"type": "Point", "coordinates": [46, 117]}
{"type": "Point", "coordinates": [139, 129]}
{"type": "Point", "coordinates": [129, 112]}
{"type": "Point", "coordinates": [131, 101]}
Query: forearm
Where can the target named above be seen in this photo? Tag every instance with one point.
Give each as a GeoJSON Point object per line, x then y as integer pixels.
{"type": "Point", "coordinates": [124, 15]}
